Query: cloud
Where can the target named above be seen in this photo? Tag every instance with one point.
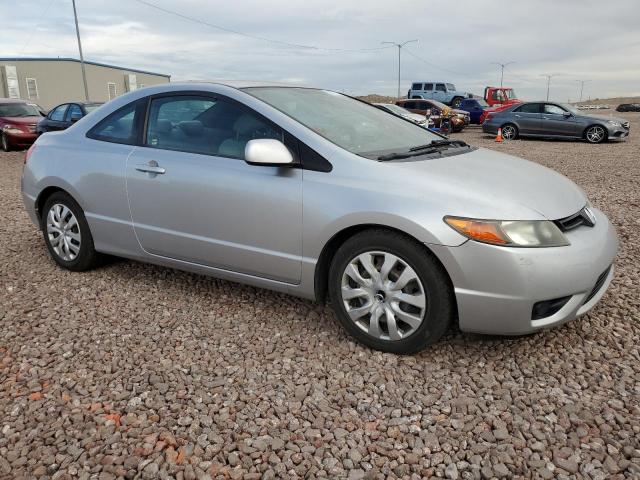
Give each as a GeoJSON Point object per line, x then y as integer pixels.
{"type": "Point", "coordinates": [458, 41]}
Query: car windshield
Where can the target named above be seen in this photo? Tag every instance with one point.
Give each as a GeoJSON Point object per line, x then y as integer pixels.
{"type": "Point", "coordinates": [482, 102]}
{"type": "Point", "coordinates": [90, 107]}
{"type": "Point", "coordinates": [18, 110]}
{"type": "Point", "coordinates": [510, 93]}
{"type": "Point", "coordinates": [355, 126]}
{"type": "Point", "coordinates": [437, 104]}
{"type": "Point", "coordinates": [451, 87]}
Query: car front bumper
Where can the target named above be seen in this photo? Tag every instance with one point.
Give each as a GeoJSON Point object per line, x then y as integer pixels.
{"type": "Point", "coordinates": [21, 140]}
{"type": "Point", "coordinates": [497, 287]}
{"type": "Point", "coordinates": [617, 132]}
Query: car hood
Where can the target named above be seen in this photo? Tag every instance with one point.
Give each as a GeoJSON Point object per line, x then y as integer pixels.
{"type": "Point", "coordinates": [605, 118]}
{"type": "Point", "coordinates": [21, 120]}
{"type": "Point", "coordinates": [491, 185]}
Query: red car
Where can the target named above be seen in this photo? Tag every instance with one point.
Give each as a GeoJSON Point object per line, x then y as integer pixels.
{"type": "Point", "coordinates": [18, 121]}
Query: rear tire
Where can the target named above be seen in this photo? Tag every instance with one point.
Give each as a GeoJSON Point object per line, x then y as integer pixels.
{"type": "Point", "coordinates": [4, 143]}
{"type": "Point", "coordinates": [389, 292]}
{"type": "Point", "coordinates": [509, 131]}
{"type": "Point", "coordinates": [456, 102]}
{"type": "Point", "coordinates": [67, 235]}
{"type": "Point", "coordinates": [595, 134]}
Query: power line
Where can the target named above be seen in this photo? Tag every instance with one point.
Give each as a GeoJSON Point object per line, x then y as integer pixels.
{"type": "Point", "coordinates": [417, 57]}
{"type": "Point", "coordinates": [255, 37]}
{"type": "Point", "coordinates": [33, 31]}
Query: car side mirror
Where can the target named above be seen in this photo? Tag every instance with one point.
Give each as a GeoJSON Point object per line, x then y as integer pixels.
{"type": "Point", "coordinates": [268, 152]}
{"type": "Point", "coordinates": [566, 114]}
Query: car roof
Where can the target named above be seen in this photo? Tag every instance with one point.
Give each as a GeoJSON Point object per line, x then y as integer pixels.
{"type": "Point", "coordinates": [6, 101]}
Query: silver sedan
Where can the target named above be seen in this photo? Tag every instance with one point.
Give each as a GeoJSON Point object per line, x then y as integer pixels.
{"type": "Point", "coordinates": [312, 193]}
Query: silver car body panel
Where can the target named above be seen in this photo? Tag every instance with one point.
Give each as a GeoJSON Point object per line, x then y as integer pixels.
{"type": "Point", "coordinates": [267, 226]}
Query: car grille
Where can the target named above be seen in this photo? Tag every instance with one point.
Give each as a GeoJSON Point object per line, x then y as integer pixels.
{"type": "Point", "coordinates": [626, 125]}
{"type": "Point", "coordinates": [574, 221]}
{"type": "Point", "coordinates": [596, 288]}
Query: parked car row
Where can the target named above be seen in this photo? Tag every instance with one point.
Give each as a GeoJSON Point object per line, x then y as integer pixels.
{"type": "Point", "coordinates": [628, 107]}
{"type": "Point", "coordinates": [21, 122]}
{"type": "Point", "coordinates": [438, 112]}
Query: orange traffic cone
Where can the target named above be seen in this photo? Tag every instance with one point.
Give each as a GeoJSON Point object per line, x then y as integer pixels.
{"type": "Point", "coordinates": [499, 136]}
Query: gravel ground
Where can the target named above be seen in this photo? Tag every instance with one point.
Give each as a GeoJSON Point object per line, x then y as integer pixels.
{"type": "Point", "coordinates": [139, 371]}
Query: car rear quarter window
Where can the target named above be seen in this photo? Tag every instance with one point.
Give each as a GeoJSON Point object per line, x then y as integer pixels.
{"type": "Point", "coordinates": [122, 126]}
{"type": "Point", "coordinates": [416, 86]}
{"type": "Point", "coordinates": [528, 108]}
{"type": "Point", "coordinates": [205, 125]}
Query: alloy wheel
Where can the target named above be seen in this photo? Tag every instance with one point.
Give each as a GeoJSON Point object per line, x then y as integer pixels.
{"type": "Point", "coordinates": [383, 295]}
{"type": "Point", "coordinates": [595, 134]}
{"type": "Point", "coordinates": [63, 232]}
{"type": "Point", "coordinates": [508, 132]}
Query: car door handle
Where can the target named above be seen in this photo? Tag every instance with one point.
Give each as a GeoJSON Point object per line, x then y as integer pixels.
{"type": "Point", "coordinates": [151, 167]}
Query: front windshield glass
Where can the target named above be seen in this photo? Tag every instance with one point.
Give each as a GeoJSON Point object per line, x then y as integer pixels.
{"type": "Point", "coordinates": [18, 110]}
{"type": "Point", "coordinates": [510, 93]}
{"type": "Point", "coordinates": [355, 126]}
{"type": "Point", "coordinates": [451, 87]}
{"type": "Point", "coordinates": [482, 102]}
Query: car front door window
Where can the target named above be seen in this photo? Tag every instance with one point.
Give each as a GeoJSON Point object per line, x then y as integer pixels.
{"type": "Point", "coordinates": [205, 125]}
{"type": "Point", "coordinates": [73, 113]}
{"type": "Point", "coordinates": [57, 114]}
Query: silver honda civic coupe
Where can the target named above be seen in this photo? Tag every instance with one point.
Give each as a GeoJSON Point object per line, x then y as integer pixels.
{"type": "Point", "coordinates": [316, 194]}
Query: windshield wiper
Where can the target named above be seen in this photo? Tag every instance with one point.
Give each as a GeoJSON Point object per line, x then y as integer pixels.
{"type": "Point", "coordinates": [432, 147]}
{"type": "Point", "coordinates": [438, 143]}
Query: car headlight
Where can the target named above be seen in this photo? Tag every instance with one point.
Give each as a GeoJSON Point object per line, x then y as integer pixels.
{"type": "Point", "coordinates": [614, 123]}
{"type": "Point", "coordinates": [510, 233]}
{"type": "Point", "coordinates": [12, 129]}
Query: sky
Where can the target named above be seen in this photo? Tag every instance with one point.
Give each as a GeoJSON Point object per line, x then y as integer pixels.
{"type": "Point", "coordinates": [338, 44]}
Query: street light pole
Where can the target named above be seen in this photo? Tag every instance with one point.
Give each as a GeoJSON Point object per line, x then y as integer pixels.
{"type": "Point", "coordinates": [399, 45]}
{"type": "Point", "coordinates": [502, 65]}
{"type": "Point", "coordinates": [548, 83]}
{"type": "Point", "coordinates": [84, 73]}
{"type": "Point", "coordinates": [582, 82]}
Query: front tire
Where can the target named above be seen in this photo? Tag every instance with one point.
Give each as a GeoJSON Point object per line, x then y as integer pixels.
{"type": "Point", "coordinates": [389, 292]}
{"type": "Point", "coordinates": [66, 233]}
{"type": "Point", "coordinates": [4, 143]}
{"type": "Point", "coordinates": [595, 134]}
{"type": "Point", "coordinates": [509, 131]}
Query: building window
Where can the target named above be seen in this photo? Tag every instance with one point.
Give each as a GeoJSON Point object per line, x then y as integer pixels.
{"type": "Point", "coordinates": [112, 90]}
{"type": "Point", "coordinates": [32, 89]}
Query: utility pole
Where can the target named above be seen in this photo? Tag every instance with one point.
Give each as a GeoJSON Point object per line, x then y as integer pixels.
{"type": "Point", "coordinates": [548, 82]}
{"type": "Point", "coordinates": [84, 73]}
{"type": "Point", "coordinates": [582, 82]}
{"type": "Point", "coordinates": [502, 65]}
{"type": "Point", "coordinates": [399, 45]}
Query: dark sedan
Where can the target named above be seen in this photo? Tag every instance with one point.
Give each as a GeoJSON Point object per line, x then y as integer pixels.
{"type": "Point", "coordinates": [628, 107]}
{"type": "Point", "coordinates": [557, 120]}
{"type": "Point", "coordinates": [65, 115]}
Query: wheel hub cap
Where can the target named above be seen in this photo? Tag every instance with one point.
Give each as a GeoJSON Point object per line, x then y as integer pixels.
{"type": "Point", "coordinates": [383, 295]}
{"type": "Point", "coordinates": [63, 232]}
